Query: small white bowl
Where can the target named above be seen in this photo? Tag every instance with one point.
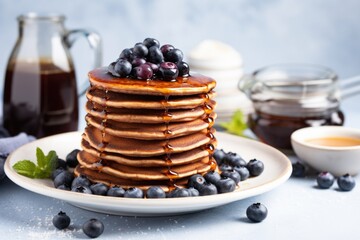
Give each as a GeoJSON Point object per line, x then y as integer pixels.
{"type": "Point", "coordinates": [336, 160]}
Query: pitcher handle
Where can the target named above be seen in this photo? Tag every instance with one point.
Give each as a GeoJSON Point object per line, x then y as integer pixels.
{"type": "Point", "coordinates": [94, 41]}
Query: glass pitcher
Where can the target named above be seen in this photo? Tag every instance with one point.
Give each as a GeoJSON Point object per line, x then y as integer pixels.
{"type": "Point", "coordinates": [40, 92]}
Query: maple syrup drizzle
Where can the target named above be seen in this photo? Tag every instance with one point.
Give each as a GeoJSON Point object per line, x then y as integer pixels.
{"type": "Point", "coordinates": [208, 109]}
{"type": "Point", "coordinates": [104, 142]}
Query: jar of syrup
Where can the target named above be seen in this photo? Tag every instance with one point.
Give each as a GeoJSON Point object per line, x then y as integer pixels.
{"type": "Point", "coordinates": [289, 97]}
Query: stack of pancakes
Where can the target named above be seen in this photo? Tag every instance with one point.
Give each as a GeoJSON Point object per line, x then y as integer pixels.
{"type": "Point", "coordinates": [144, 133]}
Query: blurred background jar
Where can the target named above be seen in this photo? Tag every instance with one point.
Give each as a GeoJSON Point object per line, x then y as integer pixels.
{"type": "Point", "coordinates": [40, 92]}
{"type": "Point", "coordinates": [289, 97]}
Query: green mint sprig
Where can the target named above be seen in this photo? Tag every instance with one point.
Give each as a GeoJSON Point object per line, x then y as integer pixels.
{"type": "Point", "coordinates": [237, 125]}
{"type": "Point", "coordinates": [44, 167]}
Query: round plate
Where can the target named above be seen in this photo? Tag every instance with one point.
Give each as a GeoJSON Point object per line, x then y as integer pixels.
{"type": "Point", "coordinates": [277, 170]}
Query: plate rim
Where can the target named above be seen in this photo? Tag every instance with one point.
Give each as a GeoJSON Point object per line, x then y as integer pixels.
{"type": "Point", "coordinates": [167, 205]}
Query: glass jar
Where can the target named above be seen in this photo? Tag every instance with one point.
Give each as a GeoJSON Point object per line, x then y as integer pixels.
{"type": "Point", "coordinates": [289, 97]}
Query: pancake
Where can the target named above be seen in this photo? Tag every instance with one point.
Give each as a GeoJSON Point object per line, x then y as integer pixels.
{"type": "Point", "coordinates": [153, 161]}
{"type": "Point", "coordinates": [89, 161]}
{"type": "Point", "coordinates": [132, 101]}
{"type": "Point", "coordinates": [148, 131]}
{"type": "Point", "coordinates": [143, 115]}
{"type": "Point", "coordinates": [143, 148]}
{"type": "Point", "coordinates": [194, 84]}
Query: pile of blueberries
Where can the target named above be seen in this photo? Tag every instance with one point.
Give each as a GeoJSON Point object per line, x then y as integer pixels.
{"type": "Point", "coordinates": [147, 60]}
{"type": "Point", "coordinates": [325, 179]}
{"type": "Point", "coordinates": [233, 170]}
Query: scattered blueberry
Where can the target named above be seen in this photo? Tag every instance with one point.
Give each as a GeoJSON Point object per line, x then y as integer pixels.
{"type": "Point", "coordinates": [137, 62]}
{"type": "Point", "coordinates": [61, 163]}
{"type": "Point", "coordinates": [134, 192]}
{"type": "Point", "coordinates": [154, 67]}
{"type": "Point", "coordinates": [64, 187]}
{"type": "Point", "coordinates": [175, 55]}
{"type": "Point", "coordinates": [225, 185]}
{"type": "Point", "coordinates": [123, 67]}
{"type": "Point", "coordinates": [234, 159]}
{"type": "Point", "coordinates": [207, 189]}
{"type": "Point", "coordinates": [193, 192]}
{"type": "Point", "coordinates": [93, 228]}
{"type": "Point", "coordinates": [179, 192]}
{"type": "Point", "coordinates": [346, 182]}
{"type": "Point", "coordinates": [219, 156]}
{"type": "Point", "coordinates": [99, 189]}
{"type": "Point", "coordinates": [184, 69]}
{"type": "Point", "coordinates": [63, 178]}
{"type": "Point", "coordinates": [71, 158]}
{"type": "Point", "coordinates": [212, 177]}
{"type": "Point", "coordinates": [150, 42]}
{"type": "Point", "coordinates": [56, 172]}
{"type": "Point", "coordinates": [196, 181]}
{"type": "Point", "coordinates": [61, 220]}
{"type": "Point", "coordinates": [140, 50]}
{"type": "Point", "coordinates": [234, 175]}
{"type": "Point", "coordinates": [325, 180]}
{"type": "Point", "coordinates": [256, 212]}
{"type": "Point", "coordinates": [243, 172]}
{"type": "Point", "coordinates": [116, 192]}
{"type": "Point", "coordinates": [255, 167]}
{"type": "Point", "coordinates": [155, 192]}
{"type": "Point", "coordinates": [225, 167]}
{"type": "Point", "coordinates": [81, 181]}
{"type": "Point", "coordinates": [166, 48]}
{"type": "Point", "coordinates": [82, 189]}
{"type": "Point", "coordinates": [155, 55]}
{"type": "Point", "coordinates": [298, 170]}
{"type": "Point", "coordinates": [127, 54]}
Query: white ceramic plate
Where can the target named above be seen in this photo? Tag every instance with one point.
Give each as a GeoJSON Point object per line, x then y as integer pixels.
{"type": "Point", "coordinates": [277, 170]}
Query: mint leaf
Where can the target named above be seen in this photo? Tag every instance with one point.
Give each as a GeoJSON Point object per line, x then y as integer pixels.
{"type": "Point", "coordinates": [45, 165]}
{"type": "Point", "coordinates": [40, 156]}
{"type": "Point", "coordinates": [26, 168]}
{"type": "Point", "coordinates": [237, 125]}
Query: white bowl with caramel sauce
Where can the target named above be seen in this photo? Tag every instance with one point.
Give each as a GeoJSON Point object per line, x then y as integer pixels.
{"type": "Point", "coordinates": [334, 149]}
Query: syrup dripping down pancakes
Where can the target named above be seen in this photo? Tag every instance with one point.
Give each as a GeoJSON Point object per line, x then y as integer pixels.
{"type": "Point", "coordinates": [143, 133]}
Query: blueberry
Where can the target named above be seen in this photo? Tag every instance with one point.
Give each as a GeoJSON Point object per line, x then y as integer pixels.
{"type": "Point", "coordinates": [298, 170]}
{"type": "Point", "coordinates": [180, 192]}
{"type": "Point", "coordinates": [140, 50]}
{"type": "Point", "coordinates": [134, 192]}
{"type": "Point", "coordinates": [2, 172]}
{"type": "Point", "coordinates": [150, 42]}
{"type": "Point", "coordinates": [82, 189]}
{"type": "Point", "coordinates": [127, 54]}
{"type": "Point", "coordinates": [63, 178]}
{"type": "Point", "coordinates": [225, 167]}
{"type": "Point", "coordinates": [99, 189]}
{"type": "Point", "coordinates": [193, 192]}
{"type": "Point", "coordinates": [155, 55]}
{"type": "Point", "coordinates": [81, 181]}
{"type": "Point", "coordinates": [154, 67]}
{"type": "Point", "coordinates": [219, 156]}
{"type": "Point", "coordinates": [196, 181]}
{"type": "Point", "coordinates": [56, 172]}
{"type": "Point", "coordinates": [71, 158]}
{"type": "Point", "coordinates": [175, 56]}
{"type": "Point", "coordinates": [225, 185]}
{"type": "Point", "coordinates": [256, 212]}
{"type": "Point", "coordinates": [168, 70]}
{"type": "Point", "coordinates": [123, 67]}
{"type": "Point", "coordinates": [116, 192]}
{"type": "Point", "coordinates": [137, 62]}
{"type": "Point", "coordinates": [325, 180]}
{"type": "Point", "coordinates": [111, 69]}
{"type": "Point", "coordinates": [212, 177]}
{"type": "Point", "coordinates": [61, 220]}
{"type": "Point", "coordinates": [61, 163]}
{"type": "Point", "coordinates": [234, 175]}
{"type": "Point", "coordinates": [234, 159]}
{"type": "Point", "coordinates": [63, 187]}
{"type": "Point", "coordinates": [93, 228]}
{"type": "Point", "coordinates": [155, 192]}
{"type": "Point", "coordinates": [166, 48]}
{"type": "Point", "coordinates": [243, 172]}
{"type": "Point", "coordinates": [144, 71]}
{"type": "Point", "coordinates": [346, 182]}
{"type": "Point", "coordinates": [207, 189]}
{"type": "Point", "coordinates": [184, 69]}
{"type": "Point", "coordinates": [255, 167]}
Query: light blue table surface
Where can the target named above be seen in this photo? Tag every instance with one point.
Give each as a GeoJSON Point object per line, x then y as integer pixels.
{"type": "Point", "coordinates": [297, 210]}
